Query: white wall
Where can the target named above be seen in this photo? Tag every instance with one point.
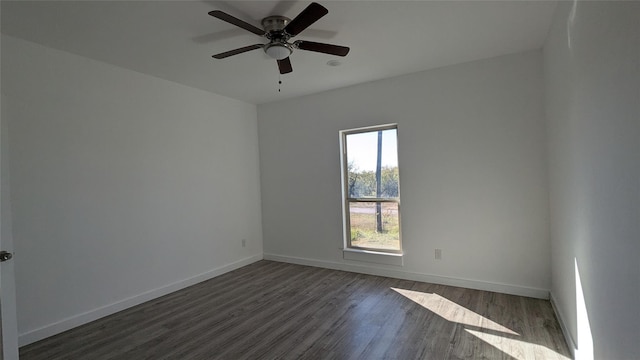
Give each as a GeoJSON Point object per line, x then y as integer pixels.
{"type": "Point", "coordinates": [472, 154]}
{"type": "Point", "coordinates": [592, 76]}
{"type": "Point", "coordinates": [124, 186]}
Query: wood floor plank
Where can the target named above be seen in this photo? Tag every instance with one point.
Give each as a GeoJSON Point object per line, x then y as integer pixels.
{"type": "Point", "coordinates": [272, 310]}
{"type": "Point", "coordinates": [310, 318]}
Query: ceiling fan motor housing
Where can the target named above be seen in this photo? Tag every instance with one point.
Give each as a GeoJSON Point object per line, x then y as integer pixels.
{"type": "Point", "coordinates": [277, 48]}
{"type": "Point", "coordinates": [275, 23]}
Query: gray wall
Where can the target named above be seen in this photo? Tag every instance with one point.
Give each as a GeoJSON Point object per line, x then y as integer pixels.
{"type": "Point", "coordinates": [124, 186]}
{"type": "Point", "coordinates": [592, 75]}
{"type": "Point", "coordinates": [473, 173]}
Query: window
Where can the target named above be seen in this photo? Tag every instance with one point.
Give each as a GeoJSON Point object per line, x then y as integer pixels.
{"type": "Point", "coordinates": [371, 189]}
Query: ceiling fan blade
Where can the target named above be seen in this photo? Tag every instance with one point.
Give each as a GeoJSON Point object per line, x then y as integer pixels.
{"type": "Point", "coordinates": [308, 16]}
{"type": "Point", "coordinates": [285, 66]}
{"type": "Point", "coordinates": [322, 48]}
{"type": "Point", "coordinates": [235, 21]}
{"type": "Point", "coordinates": [237, 51]}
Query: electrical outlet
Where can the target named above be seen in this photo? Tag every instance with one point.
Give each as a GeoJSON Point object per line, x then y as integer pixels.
{"type": "Point", "coordinates": [244, 242]}
{"type": "Point", "coordinates": [438, 254]}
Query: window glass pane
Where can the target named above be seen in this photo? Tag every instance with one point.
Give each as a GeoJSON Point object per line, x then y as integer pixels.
{"type": "Point", "coordinates": [372, 164]}
{"type": "Point", "coordinates": [374, 225]}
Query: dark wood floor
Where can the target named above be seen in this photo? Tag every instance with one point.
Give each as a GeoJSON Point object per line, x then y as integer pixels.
{"type": "Point", "coordinates": [271, 310]}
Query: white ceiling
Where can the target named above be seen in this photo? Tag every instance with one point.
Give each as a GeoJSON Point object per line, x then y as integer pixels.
{"type": "Point", "coordinates": [174, 40]}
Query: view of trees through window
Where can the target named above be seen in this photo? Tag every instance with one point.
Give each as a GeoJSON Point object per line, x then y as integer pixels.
{"type": "Point", "coordinates": [372, 189]}
{"type": "Point", "coordinates": [364, 183]}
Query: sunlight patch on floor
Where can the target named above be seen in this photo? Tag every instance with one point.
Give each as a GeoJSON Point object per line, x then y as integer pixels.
{"type": "Point", "coordinates": [517, 349]}
{"type": "Point", "coordinates": [451, 311]}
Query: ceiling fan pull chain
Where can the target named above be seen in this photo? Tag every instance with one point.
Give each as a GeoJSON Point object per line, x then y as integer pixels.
{"type": "Point", "coordinates": [279, 82]}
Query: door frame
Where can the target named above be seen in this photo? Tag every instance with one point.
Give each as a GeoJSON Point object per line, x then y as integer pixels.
{"type": "Point", "coordinates": [8, 313]}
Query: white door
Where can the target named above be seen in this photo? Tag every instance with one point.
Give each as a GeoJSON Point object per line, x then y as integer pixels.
{"type": "Point", "coordinates": [8, 319]}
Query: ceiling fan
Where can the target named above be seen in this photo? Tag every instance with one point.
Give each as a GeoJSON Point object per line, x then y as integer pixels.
{"type": "Point", "coordinates": [279, 29]}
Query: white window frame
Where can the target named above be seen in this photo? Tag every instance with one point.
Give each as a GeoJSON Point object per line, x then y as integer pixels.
{"type": "Point", "coordinates": [346, 200]}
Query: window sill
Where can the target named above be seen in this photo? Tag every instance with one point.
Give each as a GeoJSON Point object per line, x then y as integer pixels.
{"type": "Point", "coordinates": [373, 257]}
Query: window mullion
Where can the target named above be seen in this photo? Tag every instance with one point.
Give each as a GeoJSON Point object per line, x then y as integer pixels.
{"type": "Point", "coordinates": [389, 200]}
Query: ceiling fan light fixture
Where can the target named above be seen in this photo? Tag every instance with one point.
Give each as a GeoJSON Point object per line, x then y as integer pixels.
{"type": "Point", "coordinates": [278, 51]}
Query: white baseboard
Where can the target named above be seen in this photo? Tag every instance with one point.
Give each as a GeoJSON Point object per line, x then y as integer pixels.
{"type": "Point", "coordinates": [86, 317]}
{"type": "Point", "coordinates": [401, 274]}
{"type": "Point", "coordinates": [567, 336]}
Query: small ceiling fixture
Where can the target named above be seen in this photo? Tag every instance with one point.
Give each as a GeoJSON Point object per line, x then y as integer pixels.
{"type": "Point", "coordinates": [279, 29]}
